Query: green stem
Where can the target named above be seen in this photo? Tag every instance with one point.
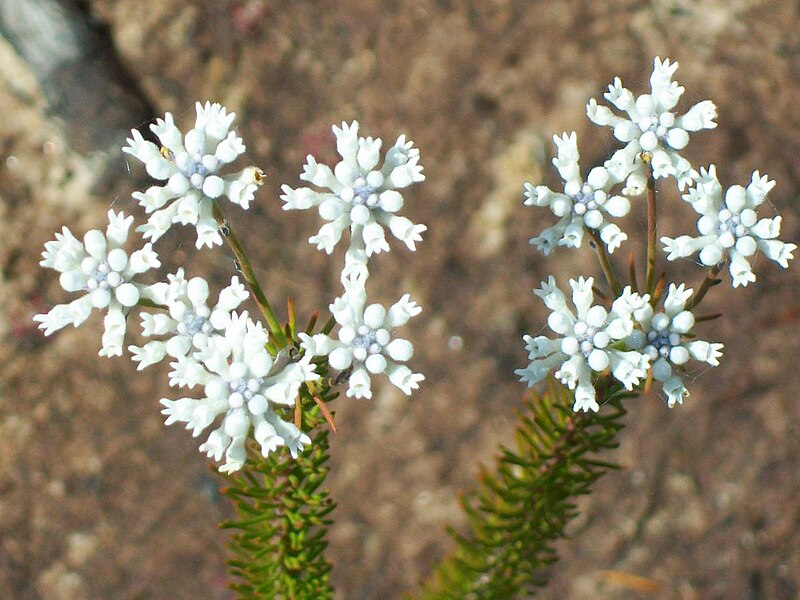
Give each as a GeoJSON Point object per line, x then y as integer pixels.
{"type": "Point", "coordinates": [147, 303]}
{"type": "Point", "coordinates": [250, 277]}
{"type": "Point", "coordinates": [605, 262]}
{"type": "Point", "coordinates": [651, 232]}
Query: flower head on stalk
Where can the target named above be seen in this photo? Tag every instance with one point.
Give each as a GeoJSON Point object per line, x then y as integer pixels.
{"type": "Point", "coordinates": [730, 227]}
{"type": "Point", "coordinates": [102, 269]}
{"type": "Point", "coordinates": [583, 204]}
{"type": "Point", "coordinates": [245, 386]}
{"type": "Point", "coordinates": [362, 196]}
{"type": "Point", "coordinates": [592, 341]}
{"type": "Point", "coordinates": [663, 337]}
{"type": "Point", "coordinates": [365, 344]}
{"type": "Point", "coordinates": [189, 321]}
{"type": "Point", "coordinates": [189, 165]}
{"type": "Point", "coordinates": [652, 127]}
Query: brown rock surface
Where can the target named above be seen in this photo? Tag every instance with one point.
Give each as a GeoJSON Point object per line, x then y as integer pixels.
{"type": "Point", "coordinates": [99, 500]}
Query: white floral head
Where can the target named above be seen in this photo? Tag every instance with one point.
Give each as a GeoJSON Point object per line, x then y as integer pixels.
{"type": "Point", "coordinates": [189, 321]}
{"type": "Point", "coordinates": [365, 344]}
{"type": "Point", "coordinates": [102, 269]}
{"type": "Point", "coordinates": [651, 126]}
{"type": "Point", "coordinates": [587, 341]}
{"type": "Point", "coordinates": [244, 385]}
{"type": "Point", "coordinates": [730, 228]}
{"type": "Point", "coordinates": [663, 336]}
{"type": "Point", "coordinates": [362, 195]}
{"type": "Point", "coordinates": [190, 167]}
{"type": "Point", "coordinates": [583, 203]}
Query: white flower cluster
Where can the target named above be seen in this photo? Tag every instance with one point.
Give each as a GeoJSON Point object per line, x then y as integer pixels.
{"type": "Point", "coordinates": [189, 165]}
{"type": "Point", "coordinates": [247, 385]}
{"type": "Point", "coordinates": [243, 384]}
{"type": "Point", "coordinates": [213, 346]}
{"type": "Point", "coordinates": [365, 344]}
{"type": "Point", "coordinates": [651, 126]}
{"type": "Point", "coordinates": [662, 337]}
{"type": "Point", "coordinates": [633, 339]}
{"type": "Point", "coordinates": [583, 204]}
{"type": "Point", "coordinates": [589, 343]}
{"type": "Point", "coordinates": [102, 269]}
{"type": "Point", "coordinates": [362, 197]}
{"type": "Point", "coordinates": [653, 135]}
{"type": "Point", "coordinates": [189, 322]}
{"type": "Point", "coordinates": [730, 227]}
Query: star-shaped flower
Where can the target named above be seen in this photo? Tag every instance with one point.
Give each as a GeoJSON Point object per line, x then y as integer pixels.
{"type": "Point", "coordinates": [651, 126]}
{"type": "Point", "coordinates": [588, 341]}
{"type": "Point", "coordinates": [102, 269]}
{"type": "Point", "coordinates": [583, 204]}
{"type": "Point", "coordinates": [244, 385]}
{"type": "Point", "coordinates": [362, 196]}
{"type": "Point", "coordinates": [663, 337]}
{"type": "Point", "coordinates": [189, 321]}
{"type": "Point", "coordinates": [365, 343]}
{"type": "Point", "coordinates": [730, 227]}
{"type": "Point", "coordinates": [190, 167]}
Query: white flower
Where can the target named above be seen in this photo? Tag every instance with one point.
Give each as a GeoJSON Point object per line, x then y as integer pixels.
{"type": "Point", "coordinates": [731, 228]}
{"type": "Point", "coordinates": [189, 321]}
{"type": "Point", "coordinates": [365, 343]}
{"type": "Point", "coordinates": [243, 384]}
{"type": "Point", "coordinates": [190, 166]}
{"type": "Point", "coordinates": [587, 343]}
{"type": "Point", "coordinates": [662, 338]}
{"type": "Point", "coordinates": [582, 204]}
{"type": "Point", "coordinates": [102, 269]}
{"type": "Point", "coordinates": [651, 125]}
{"type": "Point", "coordinates": [362, 196]}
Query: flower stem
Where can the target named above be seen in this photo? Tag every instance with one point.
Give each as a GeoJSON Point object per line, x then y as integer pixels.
{"type": "Point", "coordinates": [250, 277]}
{"type": "Point", "coordinates": [147, 303]}
{"type": "Point", "coordinates": [709, 281]}
{"type": "Point", "coordinates": [632, 272]}
{"type": "Point", "coordinates": [605, 262]}
{"type": "Point", "coordinates": [651, 232]}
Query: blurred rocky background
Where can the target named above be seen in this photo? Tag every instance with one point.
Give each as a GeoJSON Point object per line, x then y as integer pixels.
{"type": "Point", "coordinates": [99, 500]}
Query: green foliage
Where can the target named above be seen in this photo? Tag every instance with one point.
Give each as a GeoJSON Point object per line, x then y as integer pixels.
{"type": "Point", "coordinates": [282, 510]}
{"type": "Point", "coordinates": [521, 509]}
{"type": "Point", "coordinates": [281, 521]}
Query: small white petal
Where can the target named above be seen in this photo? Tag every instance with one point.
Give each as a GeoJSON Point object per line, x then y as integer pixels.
{"type": "Point", "coordinates": [677, 138]}
{"type": "Point", "coordinates": [375, 363]}
{"type": "Point", "coordinates": [340, 359]}
{"type": "Point", "coordinates": [648, 141]}
{"type": "Point", "coordinates": [374, 316]}
{"type": "Point", "coordinates": [213, 186]}
{"type": "Point", "coordinates": [127, 294]}
{"type": "Point", "coordinates": [400, 350]}
{"type": "Point", "coordinates": [683, 322]}
{"type": "Point", "coordinates": [391, 201]}
{"type": "Point", "coordinates": [678, 355]}
{"type": "Point", "coordinates": [598, 360]}
{"type": "Point", "coordinates": [260, 364]}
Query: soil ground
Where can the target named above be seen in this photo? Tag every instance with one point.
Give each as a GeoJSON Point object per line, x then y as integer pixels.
{"type": "Point", "coordinates": [99, 500]}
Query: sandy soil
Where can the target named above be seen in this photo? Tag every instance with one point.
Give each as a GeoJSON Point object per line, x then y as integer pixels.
{"type": "Point", "coordinates": [99, 500]}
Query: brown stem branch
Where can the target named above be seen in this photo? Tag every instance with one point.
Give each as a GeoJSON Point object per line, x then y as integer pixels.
{"type": "Point", "coordinates": [709, 281]}
{"type": "Point", "coordinates": [632, 272]}
{"type": "Point", "coordinates": [651, 232]}
{"type": "Point", "coordinates": [605, 262]}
